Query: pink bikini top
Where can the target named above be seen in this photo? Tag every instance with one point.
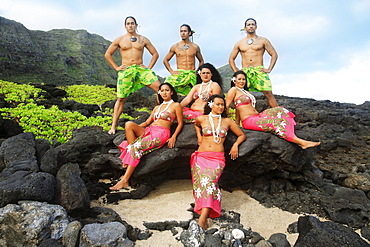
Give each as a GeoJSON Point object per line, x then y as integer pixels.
{"type": "Point", "coordinates": [168, 116]}
{"type": "Point", "coordinates": [242, 100]}
{"type": "Point", "coordinates": [205, 96]}
{"type": "Point", "coordinates": [207, 131]}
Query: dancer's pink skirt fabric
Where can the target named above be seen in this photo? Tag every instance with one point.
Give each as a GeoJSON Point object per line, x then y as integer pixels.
{"type": "Point", "coordinates": [190, 115]}
{"type": "Point", "coordinates": [153, 138]}
{"type": "Point", "coordinates": [277, 120]}
{"type": "Point", "coordinates": [206, 169]}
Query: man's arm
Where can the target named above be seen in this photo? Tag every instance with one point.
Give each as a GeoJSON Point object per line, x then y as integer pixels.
{"type": "Point", "coordinates": [199, 57]}
{"type": "Point", "coordinates": [109, 54]}
{"type": "Point", "coordinates": [152, 51]}
{"type": "Point", "coordinates": [167, 58]}
{"type": "Point", "coordinates": [274, 56]}
{"type": "Point", "coordinates": [234, 53]}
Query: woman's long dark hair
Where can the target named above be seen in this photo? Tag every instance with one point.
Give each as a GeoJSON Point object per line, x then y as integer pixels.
{"type": "Point", "coordinates": [174, 96]}
{"type": "Point", "coordinates": [239, 72]}
{"type": "Point", "coordinates": [208, 110]}
{"type": "Point", "coordinates": [216, 77]}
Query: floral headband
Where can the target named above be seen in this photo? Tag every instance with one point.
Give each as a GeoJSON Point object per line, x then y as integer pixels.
{"type": "Point", "coordinates": [210, 104]}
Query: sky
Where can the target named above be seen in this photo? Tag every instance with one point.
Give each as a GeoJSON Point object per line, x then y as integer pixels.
{"type": "Point", "coordinates": [323, 45]}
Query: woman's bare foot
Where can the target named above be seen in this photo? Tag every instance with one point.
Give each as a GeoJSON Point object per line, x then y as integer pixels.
{"type": "Point", "coordinates": [120, 185]}
{"type": "Point", "coordinates": [112, 131]}
{"type": "Point", "coordinates": [309, 144]}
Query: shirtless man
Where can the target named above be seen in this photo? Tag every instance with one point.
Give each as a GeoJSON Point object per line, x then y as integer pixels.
{"type": "Point", "coordinates": [131, 46]}
{"type": "Point", "coordinates": [186, 51]}
{"type": "Point", "coordinates": [252, 49]}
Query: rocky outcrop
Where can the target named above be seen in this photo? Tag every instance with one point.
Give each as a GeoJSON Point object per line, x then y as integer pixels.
{"type": "Point", "coordinates": [28, 223]}
{"type": "Point", "coordinates": [329, 180]}
{"type": "Point", "coordinates": [108, 234]}
{"type": "Point", "coordinates": [313, 232]}
{"type": "Point", "coordinates": [21, 178]}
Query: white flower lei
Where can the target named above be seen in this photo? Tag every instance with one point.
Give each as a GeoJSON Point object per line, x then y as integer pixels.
{"type": "Point", "coordinates": [158, 113]}
{"type": "Point", "coordinates": [253, 99]}
{"type": "Point", "coordinates": [206, 90]}
{"type": "Point", "coordinates": [216, 132]}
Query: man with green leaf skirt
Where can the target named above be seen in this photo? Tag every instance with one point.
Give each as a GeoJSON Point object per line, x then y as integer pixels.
{"type": "Point", "coordinates": [132, 73]}
{"type": "Point", "coordinates": [184, 78]}
{"type": "Point", "coordinates": [252, 48]}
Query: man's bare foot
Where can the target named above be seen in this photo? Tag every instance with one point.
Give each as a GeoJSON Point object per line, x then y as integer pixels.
{"type": "Point", "coordinates": [112, 131]}
{"type": "Point", "coordinates": [120, 185]}
{"type": "Point", "coordinates": [309, 144]}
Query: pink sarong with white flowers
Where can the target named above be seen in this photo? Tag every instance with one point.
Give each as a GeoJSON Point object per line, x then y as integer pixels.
{"type": "Point", "coordinates": [153, 138]}
{"type": "Point", "coordinates": [206, 169]}
{"type": "Point", "coordinates": [189, 115]}
{"type": "Point", "coordinates": [276, 120]}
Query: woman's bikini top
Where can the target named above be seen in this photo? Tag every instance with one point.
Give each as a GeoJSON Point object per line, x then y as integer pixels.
{"type": "Point", "coordinates": [204, 96]}
{"type": "Point", "coordinates": [242, 100]}
{"type": "Point", "coordinates": [207, 131]}
{"type": "Point", "coordinates": [168, 116]}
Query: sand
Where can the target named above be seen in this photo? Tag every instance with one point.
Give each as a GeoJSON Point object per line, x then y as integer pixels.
{"type": "Point", "coordinates": [171, 200]}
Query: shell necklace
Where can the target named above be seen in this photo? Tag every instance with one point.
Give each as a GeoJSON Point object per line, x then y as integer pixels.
{"type": "Point", "coordinates": [216, 132]}
{"type": "Point", "coordinates": [158, 113]}
{"type": "Point", "coordinates": [253, 99]}
{"type": "Point", "coordinates": [203, 95]}
{"type": "Point", "coordinates": [250, 40]}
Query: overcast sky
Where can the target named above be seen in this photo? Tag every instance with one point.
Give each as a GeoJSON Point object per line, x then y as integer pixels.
{"type": "Point", "coordinates": [323, 45]}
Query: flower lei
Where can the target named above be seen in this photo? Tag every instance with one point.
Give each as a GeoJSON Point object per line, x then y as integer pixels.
{"type": "Point", "coordinates": [253, 99]}
{"type": "Point", "coordinates": [158, 113]}
{"type": "Point", "coordinates": [216, 132]}
{"type": "Point", "coordinates": [203, 95]}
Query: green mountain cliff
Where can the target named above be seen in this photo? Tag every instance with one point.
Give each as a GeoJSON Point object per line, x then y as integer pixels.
{"type": "Point", "coordinates": [60, 56]}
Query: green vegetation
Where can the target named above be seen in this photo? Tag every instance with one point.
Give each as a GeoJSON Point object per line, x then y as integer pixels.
{"type": "Point", "coordinates": [88, 94]}
{"type": "Point", "coordinates": [231, 113]}
{"type": "Point", "coordinates": [143, 109]}
{"type": "Point", "coordinates": [54, 124]}
{"type": "Point", "coordinates": [14, 92]}
{"type": "Point", "coordinates": [51, 124]}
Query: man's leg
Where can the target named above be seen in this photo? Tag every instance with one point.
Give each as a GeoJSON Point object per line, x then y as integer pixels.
{"type": "Point", "coordinates": [270, 98]}
{"type": "Point", "coordinates": [118, 109]}
{"type": "Point", "coordinates": [155, 86]}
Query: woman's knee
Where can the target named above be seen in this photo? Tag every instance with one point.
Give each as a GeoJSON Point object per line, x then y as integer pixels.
{"type": "Point", "coordinates": [129, 125]}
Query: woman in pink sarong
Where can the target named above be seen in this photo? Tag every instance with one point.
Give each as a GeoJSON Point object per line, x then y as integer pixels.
{"type": "Point", "coordinates": [208, 162]}
{"type": "Point", "coordinates": [152, 134]}
{"type": "Point", "coordinates": [276, 120]}
{"type": "Point", "coordinates": [209, 82]}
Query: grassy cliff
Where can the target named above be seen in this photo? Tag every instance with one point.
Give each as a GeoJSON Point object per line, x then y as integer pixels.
{"type": "Point", "coordinates": [60, 56]}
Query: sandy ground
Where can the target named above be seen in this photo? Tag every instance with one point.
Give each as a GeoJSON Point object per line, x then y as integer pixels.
{"type": "Point", "coordinates": [171, 200]}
